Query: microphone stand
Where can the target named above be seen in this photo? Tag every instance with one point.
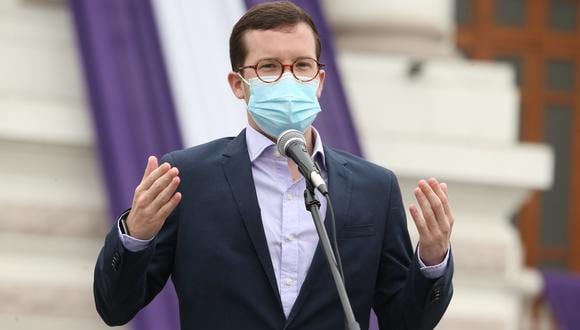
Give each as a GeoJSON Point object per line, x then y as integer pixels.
{"type": "Point", "coordinates": [313, 205]}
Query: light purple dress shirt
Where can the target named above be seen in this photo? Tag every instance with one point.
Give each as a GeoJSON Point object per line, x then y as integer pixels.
{"type": "Point", "coordinates": [289, 229]}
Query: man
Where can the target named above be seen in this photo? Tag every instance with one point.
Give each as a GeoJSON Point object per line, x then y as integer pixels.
{"type": "Point", "coordinates": [227, 219]}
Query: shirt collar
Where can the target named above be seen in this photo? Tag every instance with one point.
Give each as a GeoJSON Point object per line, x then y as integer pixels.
{"type": "Point", "coordinates": [258, 143]}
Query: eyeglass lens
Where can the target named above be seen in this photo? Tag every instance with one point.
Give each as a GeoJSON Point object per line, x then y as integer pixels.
{"type": "Point", "coordinates": [270, 70]}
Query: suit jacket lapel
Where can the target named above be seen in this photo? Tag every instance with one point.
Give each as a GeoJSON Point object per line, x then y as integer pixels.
{"type": "Point", "coordinates": [339, 185]}
{"type": "Point", "coordinates": [238, 171]}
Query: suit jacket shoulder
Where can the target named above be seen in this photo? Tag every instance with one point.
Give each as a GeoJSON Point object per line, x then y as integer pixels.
{"type": "Point", "coordinates": [203, 154]}
{"type": "Point", "coordinates": [365, 173]}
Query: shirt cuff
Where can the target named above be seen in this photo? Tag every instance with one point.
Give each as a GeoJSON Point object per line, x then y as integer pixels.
{"type": "Point", "coordinates": [131, 243]}
{"type": "Point", "coordinates": [435, 271]}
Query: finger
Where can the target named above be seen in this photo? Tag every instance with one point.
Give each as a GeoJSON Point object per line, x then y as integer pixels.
{"type": "Point", "coordinates": [165, 194]}
{"type": "Point", "coordinates": [435, 203]}
{"type": "Point", "coordinates": [441, 194]}
{"type": "Point", "coordinates": [438, 189]}
{"type": "Point", "coordinates": [419, 222]}
{"type": "Point", "coordinates": [447, 205]}
{"type": "Point", "coordinates": [156, 174]}
{"type": "Point", "coordinates": [160, 184]}
{"type": "Point", "coordinates": [444, 187]}
{"type": "Point", "coordinates": [166, 210]}
{"type": "Point", "coordinates": [151, 166]}
{"type": "Point", "coordinates": [428, 214]}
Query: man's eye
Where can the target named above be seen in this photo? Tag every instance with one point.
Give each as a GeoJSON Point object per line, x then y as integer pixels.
{"type": "Point", "coordinates": [267, 66]}
{"type": "Point", "coordinates": [303, 65]}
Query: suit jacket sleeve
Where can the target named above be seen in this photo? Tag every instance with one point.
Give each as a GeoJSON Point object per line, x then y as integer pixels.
{"type": "Point", "coordinates": [125, 281]}
{"type": "Point", "coordinates": [404, 297]}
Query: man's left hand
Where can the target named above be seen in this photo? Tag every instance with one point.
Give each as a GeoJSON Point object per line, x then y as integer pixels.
{"type": "Point", "coordinates": [434, 222]}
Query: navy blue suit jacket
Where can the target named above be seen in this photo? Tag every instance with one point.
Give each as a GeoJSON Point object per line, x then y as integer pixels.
{"type": "Point", "coordinates": [214, 247]}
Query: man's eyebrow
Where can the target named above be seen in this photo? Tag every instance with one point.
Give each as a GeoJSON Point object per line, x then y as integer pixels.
{"type": "Point", "coordinates": [278, 59]}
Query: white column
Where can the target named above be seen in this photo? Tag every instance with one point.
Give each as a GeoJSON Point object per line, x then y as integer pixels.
{"type": "Point", "coordinates": [422, 111]}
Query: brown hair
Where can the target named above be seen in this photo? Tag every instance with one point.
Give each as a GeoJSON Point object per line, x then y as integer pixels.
{"type": "Point", "coordinates": [267, 16]}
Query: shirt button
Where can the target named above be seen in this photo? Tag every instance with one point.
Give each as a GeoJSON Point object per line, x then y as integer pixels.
{"type": "Point", "coordinates": [289, 197]}
{"type": "Point", "coordinates": [291, 237]}
{"type": "Point", "coordinates": [289, 282]}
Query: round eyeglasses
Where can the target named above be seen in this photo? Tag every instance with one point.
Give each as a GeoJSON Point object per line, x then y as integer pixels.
{"type": "Point", "coordinates": [271, 70]}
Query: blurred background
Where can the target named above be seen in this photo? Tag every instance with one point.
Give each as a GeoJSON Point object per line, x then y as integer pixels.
{"type": "Point", "coordinates": [481, 94]}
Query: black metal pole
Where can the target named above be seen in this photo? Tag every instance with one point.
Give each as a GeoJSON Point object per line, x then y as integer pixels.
{"type": "Point", "coordinates": [313, 205]}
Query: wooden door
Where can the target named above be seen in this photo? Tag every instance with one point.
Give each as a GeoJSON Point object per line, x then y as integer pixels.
{"type": "Point", "coordinates": [541, 40]}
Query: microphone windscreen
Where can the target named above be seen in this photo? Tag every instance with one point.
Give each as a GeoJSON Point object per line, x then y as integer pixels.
{"type": "Point", "coordinates": [286, 137]}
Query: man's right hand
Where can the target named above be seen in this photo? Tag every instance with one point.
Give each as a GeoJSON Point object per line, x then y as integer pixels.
{"type": "Point", "coordinates": [155, 198]}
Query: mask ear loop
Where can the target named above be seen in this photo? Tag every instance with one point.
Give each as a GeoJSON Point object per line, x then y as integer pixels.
{"type": "Point", "coordinates": [243, 79]}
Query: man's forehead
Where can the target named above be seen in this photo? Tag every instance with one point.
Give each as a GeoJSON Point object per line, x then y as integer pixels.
{"type": "Point", "coordinates": [287, 28]}
{"type": "Point", "coordinates": [286, 40]}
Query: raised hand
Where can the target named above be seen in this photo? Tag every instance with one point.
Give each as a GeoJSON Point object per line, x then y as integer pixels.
{"type": "Point", "coordinates": [154, 199]}
{"type": "Point", "coordinates": [434, 222]}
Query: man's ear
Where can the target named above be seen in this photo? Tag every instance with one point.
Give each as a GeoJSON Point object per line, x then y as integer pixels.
{"type": "Point", "coordinates": [321, 77]}
{"type": "Point", "coordinates": [237, 85]}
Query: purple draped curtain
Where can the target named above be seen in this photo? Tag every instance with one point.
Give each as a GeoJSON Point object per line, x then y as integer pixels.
{"type": "Point", "coordinates": [132, 109]}
{"type": "Point", "coordinates": [563, 294]}
{"type": "Point", "coordinates": [334, 122]}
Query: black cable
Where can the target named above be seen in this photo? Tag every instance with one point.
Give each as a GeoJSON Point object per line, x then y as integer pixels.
{"type": "Point", "coordinates": [334, 241]}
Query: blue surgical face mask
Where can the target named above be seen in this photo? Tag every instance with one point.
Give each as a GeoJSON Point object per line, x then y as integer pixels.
{"type": "Point", "coordinates": [283, 105]}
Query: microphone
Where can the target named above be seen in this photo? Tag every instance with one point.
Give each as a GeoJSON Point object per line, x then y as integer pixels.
{"type": "Point", "coordinates": [292, 144]}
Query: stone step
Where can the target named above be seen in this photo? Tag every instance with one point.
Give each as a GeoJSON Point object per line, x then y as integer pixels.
{"type": "Point", "coordinates": [68, 221]}
{"type": "Point", "coordinates": [34, 322]}
{"type": "Point", "coordinates": [52, 176]}
{"type": "Point", "coordinates": [468, 166]}
{"type": "Point", "coordinates": [475, 309]}
{"type": "Point", "coordinates": [491, 303]}
{"type": "Point", "coordinates": [47, 280]}
{"type": "Point", "coordinates": [392, 26]}
{"type": "Point", "coordinates": [387, 97]}
{"type": "Point", "coordinates": [482, 249]}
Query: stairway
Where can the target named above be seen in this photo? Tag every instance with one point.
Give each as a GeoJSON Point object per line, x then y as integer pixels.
{"type": "Point", "coordinates": [53, 217]}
